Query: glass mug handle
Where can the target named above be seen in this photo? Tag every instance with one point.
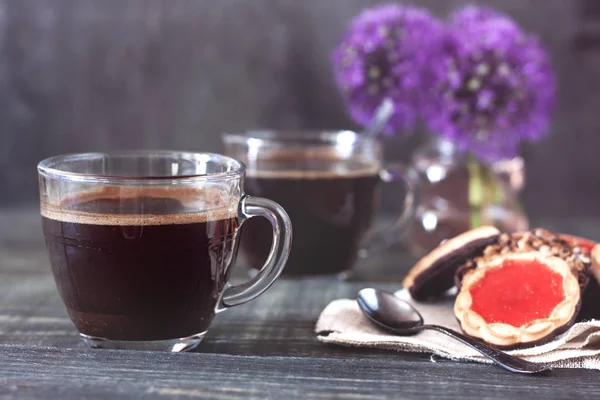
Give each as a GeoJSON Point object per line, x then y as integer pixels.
{"type": "Point", "coordinates": [380, 239]}
{"type": "Point", "coordinates": [280, 250]}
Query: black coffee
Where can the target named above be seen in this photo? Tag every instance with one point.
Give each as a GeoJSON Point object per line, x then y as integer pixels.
{"type": "Point", "coordinates": [152, 273]}
{"type": "Point", "coordinates": [331, 205]}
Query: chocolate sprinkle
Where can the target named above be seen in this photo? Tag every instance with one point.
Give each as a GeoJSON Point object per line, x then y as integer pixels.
{"type": "Point", "coordinates": [542, 240]}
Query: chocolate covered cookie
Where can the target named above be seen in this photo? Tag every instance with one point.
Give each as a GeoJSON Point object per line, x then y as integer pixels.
{"type": "Point", "coordinates": [434, 273]}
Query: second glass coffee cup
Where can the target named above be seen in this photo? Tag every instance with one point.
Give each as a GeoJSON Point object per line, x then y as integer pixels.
{"type": "Point", "coordinates": [329, 183]}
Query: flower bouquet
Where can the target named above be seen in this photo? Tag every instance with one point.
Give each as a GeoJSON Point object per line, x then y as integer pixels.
{"type": "Point", "coordinates": [478, 84]}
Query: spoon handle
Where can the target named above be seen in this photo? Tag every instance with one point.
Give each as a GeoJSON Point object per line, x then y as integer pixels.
{"type": "Point", "coordinates": [511, 363]}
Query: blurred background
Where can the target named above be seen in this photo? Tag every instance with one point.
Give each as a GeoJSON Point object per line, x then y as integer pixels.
{"type": "Point", "coordinates": [95, 75]}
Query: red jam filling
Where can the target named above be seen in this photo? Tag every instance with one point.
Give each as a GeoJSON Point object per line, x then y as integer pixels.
{"type": "Point", "coordinates": [517, 292]}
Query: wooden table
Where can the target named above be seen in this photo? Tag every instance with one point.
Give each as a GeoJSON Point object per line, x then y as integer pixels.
{"type": "Point", "coordinates": [264, 349]}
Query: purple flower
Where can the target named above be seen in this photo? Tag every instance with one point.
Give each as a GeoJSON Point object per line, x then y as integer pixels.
{"type": "Point", "coordinates": [381, 56]}
{"type": "Point", "coordinates": [490, 87]}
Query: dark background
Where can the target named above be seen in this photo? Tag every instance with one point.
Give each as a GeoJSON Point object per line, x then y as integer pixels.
{"type": "Point", "coordinates": [93, 75]}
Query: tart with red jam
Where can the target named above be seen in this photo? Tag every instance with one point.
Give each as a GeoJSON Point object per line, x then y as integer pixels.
{"type": "Point", "coordinates": [518, 299]}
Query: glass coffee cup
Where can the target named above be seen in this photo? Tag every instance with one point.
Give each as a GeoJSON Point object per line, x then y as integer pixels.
{"type": "Point", "coordinates": [329, 183]}
{"type": "Point", "coordinates": [141, 243]}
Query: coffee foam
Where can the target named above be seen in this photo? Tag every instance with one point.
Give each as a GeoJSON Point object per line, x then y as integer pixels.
{"type": "Point", "coordinates": [214, 205]}
{"type": "Point", "coordinates": [311, 175]}
{"type": "Point", "coordinates": [338, 167]}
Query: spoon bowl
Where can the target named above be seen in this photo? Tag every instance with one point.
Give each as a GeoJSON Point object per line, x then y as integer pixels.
{"type": "Point", "coordinates": [400, 317]}
{"type": "Point", "coordinates": [388, 311]}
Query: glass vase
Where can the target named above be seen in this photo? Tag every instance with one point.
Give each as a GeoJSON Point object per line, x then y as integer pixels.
{"type": "Point", "coordinates": [459, 192]}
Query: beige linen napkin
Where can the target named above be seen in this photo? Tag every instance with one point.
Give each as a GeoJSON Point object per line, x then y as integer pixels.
{"type": "Point", "coordinates": [343, 323]}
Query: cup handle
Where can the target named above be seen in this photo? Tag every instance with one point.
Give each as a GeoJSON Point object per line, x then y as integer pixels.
{"type": "Point", "coordinates": [380, 239]}
{"type": "Point", "coordinates": [280, 249]}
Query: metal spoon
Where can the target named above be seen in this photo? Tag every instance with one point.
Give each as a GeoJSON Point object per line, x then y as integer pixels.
{"type": "Point", "coordinates": [401, 318]}
{"type": "Point", "coordinates": [382, 115]}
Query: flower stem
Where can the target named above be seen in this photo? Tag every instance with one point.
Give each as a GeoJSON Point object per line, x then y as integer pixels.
{"type": "Point", "coordinates": [475, 190]}
{"type": "Point", "coordinates": [484, 189]}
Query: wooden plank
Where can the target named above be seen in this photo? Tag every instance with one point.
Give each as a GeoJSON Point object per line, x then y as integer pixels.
{"type": "Point", "coordinates": [68, 374]}
{"type": "Point", "coordinates": [278, 323]}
